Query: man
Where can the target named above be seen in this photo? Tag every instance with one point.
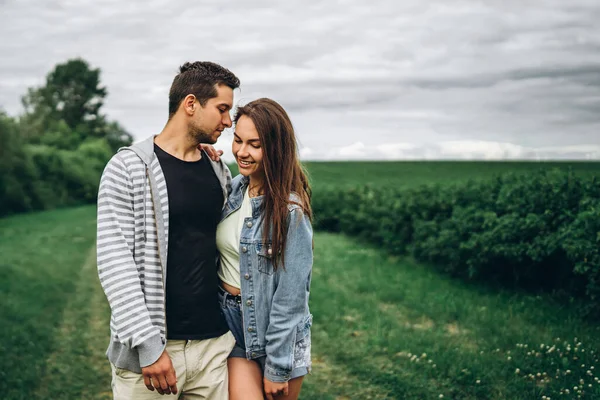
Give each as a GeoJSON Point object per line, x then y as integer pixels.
{"type": "Point", "coordinates": [159, 204]}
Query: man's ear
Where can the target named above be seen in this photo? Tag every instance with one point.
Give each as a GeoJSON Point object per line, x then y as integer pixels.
{"type": "Point", "coordinates": [189, 104]}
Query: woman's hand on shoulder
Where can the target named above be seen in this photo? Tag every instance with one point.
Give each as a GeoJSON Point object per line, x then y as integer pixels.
{"type": "Point", "coordinates": [213, 153]}
{"type": "Point", "coordinates": [274, 389]}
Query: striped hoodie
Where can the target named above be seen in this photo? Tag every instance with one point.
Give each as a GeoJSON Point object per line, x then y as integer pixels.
{"type": "Point", "coordinates": [132, 245]}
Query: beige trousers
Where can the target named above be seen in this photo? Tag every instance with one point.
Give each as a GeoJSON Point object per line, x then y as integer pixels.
{"type": "Point", "coordinates": [200, 366]}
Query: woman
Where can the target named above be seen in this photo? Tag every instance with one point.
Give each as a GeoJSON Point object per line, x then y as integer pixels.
{"type": "Point", "coordinates": [265, 242]}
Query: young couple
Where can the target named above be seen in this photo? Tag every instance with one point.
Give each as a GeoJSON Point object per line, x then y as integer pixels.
{"type": "Point", "coordinates": [208, 278]}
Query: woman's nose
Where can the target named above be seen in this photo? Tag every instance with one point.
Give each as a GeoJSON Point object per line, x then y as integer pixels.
{"type": "Point", "coordinates": [243, 151]}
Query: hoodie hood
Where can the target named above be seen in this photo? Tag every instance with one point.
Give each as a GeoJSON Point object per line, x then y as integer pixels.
{"type": "Point", "coordinates": [144, 149]}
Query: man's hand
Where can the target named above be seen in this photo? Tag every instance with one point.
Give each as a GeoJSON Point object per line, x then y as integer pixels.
{"type": "Point", "coordinates": [161, 374]}
{"type": "Point", "coordinates": [213, 153]}
{"type": "Point", "coordinates": [272, 389]}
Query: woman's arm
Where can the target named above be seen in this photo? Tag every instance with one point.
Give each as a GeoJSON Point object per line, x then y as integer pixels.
{"type": "Point", "coordinates": [290, 299]}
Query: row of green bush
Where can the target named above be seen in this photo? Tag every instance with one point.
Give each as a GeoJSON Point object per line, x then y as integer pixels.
{"type": "Point", "coordinates": [537, 231]}
{"type": "Point", "coordinates": [52, 155]}
{"type": "Point", "coordinates": [38, 177]}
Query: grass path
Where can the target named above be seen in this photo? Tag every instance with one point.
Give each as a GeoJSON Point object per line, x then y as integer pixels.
{"type": "Point", "coordinates": [388, 328]}
{"type": "Point", "coordinates": [77, 369]}
{"type": "Point", "coordinates": [41, 255]}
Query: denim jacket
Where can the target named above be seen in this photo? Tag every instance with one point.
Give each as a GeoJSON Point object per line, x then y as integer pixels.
{"type": "Point", "coordinates": [274, 301]}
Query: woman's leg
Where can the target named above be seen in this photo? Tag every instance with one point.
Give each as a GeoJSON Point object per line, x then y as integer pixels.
{"type": "Point", "coordinates": [245, 379]}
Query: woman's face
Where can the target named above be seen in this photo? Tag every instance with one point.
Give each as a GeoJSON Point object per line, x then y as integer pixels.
{"type": "Point", "coordinates": [246, 148]}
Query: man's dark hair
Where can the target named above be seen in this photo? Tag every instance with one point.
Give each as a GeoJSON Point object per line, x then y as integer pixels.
{"type": "Point", "coordinates": [199, 78]}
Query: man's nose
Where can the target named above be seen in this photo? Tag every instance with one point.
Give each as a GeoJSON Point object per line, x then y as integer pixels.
{"type": "Point", "coordinates": [227, 120]}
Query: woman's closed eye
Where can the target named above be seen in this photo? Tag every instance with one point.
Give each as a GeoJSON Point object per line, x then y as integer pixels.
{"type": "Point", "coordinates": [253, 144]}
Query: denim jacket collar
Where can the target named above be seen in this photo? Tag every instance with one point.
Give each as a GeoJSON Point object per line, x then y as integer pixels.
{"type": "Point", "coordinates": [234, 202]}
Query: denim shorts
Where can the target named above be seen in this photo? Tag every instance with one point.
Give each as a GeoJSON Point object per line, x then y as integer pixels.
{"type": "Point", "coordinates": [231, 307]}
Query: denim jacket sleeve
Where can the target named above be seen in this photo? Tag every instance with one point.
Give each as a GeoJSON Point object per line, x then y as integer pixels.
{"type": "Point", "coordinates": [290, 300]}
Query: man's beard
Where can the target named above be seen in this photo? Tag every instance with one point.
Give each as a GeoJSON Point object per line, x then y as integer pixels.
{"type": "Point", "coordinates": [198, 135]}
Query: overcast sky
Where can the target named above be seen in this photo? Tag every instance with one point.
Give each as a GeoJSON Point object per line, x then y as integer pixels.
{"type": "Point", "coordinates": [397, 79]}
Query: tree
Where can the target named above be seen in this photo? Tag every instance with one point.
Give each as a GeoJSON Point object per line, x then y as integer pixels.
{"type": "Point", "coordinates": [116, 135]}
{"type": "Point", "coordinates": [66, 110]}
{"type": "Point", "coordinates": [72, 93]}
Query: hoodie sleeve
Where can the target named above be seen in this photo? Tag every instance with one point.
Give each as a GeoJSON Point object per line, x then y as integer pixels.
{"type": "Point", "coordinates": [116, 266]}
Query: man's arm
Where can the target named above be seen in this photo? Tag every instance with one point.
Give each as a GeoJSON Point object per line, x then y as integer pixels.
{"type": "Point", "coordinates": [116, 267]}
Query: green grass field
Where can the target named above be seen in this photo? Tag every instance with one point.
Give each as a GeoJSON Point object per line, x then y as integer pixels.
{"type": "Point", "coordinates": [384, 328]}
{"type": "Point", "coordinates": [414, 173]}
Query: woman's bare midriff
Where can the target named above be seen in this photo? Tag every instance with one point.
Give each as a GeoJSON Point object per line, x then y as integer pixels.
{"type": "Point", "coordinates": [230, 289]}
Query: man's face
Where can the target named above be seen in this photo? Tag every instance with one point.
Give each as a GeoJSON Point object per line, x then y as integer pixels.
{"type": "Point", "coordinates": [209, 121]}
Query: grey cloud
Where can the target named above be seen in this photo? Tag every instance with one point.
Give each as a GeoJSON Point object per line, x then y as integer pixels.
{"type": "Point", "coordinates": [523, 73]}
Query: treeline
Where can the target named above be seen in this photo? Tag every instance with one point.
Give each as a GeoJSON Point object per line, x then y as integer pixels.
{"type": "Point", "coordinates": [536, 231]}
{"type": "Point", "coordinates": [53, 154]}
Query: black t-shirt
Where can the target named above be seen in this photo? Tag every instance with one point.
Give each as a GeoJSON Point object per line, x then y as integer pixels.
{"type": "Point", "coordinates": [195, 203]}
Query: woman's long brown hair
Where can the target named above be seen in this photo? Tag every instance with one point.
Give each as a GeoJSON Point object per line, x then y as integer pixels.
{"type": "Point", "coordinates": [282, 169]}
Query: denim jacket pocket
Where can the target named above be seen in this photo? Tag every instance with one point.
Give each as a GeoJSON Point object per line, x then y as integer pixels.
{"type": "Point", "coordinates": [303, 329]}
{"type": "Point", "coordinates": [265, 258]}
